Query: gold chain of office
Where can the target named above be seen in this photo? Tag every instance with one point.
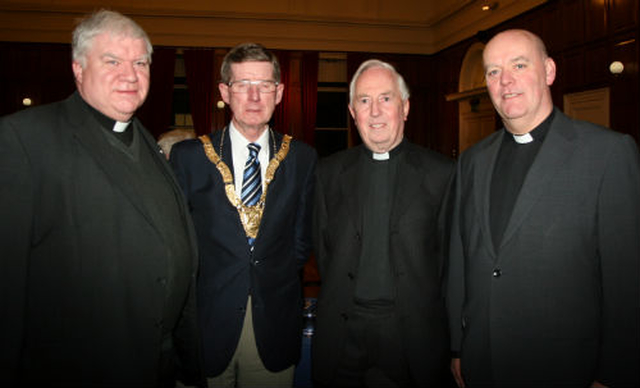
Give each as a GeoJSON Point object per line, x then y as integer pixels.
{"type": "Point", "coordinates": [250, 216]}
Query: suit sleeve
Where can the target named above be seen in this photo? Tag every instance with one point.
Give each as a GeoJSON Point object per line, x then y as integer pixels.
{"type": "Point", "coordinates": [16, 212]}
{"type": "Point", "coordinates": [187, 340]}
{"type": "Point", "coordinates": [187, 343]}
{"type": "Point", "coordinates": [319, 222]}
{"type": "Point", "coordinates": [454, 267]}
{"type": "Point", "coordinates": [444, 224]}
{"type": "Point", "coordinates": [619, 247]}
{"type": "Point", "coordinates": [304, 212]}
{"type": "Point", "coordinates": [176, 160]}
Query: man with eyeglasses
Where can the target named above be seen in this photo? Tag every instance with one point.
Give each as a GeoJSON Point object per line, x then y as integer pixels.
{"type": "Point", "coordinates": [250, 191]}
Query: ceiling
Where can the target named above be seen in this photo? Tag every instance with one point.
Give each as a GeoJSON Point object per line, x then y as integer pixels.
{"type": "Point", "coordinates": [407, 26]}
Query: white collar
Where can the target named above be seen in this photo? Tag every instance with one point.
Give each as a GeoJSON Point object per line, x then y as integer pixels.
{"type": "Point", "coordinates": [523, 139]}
{"type": "Point", "coordinates": [120, 127]}
{"type": "Point", "coordinates": [383, 156]}
{"type": "Point", "coordinates": [239, 142]}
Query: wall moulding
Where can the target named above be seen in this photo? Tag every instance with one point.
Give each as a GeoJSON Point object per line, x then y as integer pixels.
{"type": "Point", "coordinates": [416, 27]}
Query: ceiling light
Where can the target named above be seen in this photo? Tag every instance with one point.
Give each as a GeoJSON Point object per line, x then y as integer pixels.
{"type": "Point", "coordinates": [487, 6]}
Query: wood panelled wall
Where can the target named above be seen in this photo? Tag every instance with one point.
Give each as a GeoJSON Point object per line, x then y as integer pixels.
{"type": "Point", "coordinates": [583, 37]}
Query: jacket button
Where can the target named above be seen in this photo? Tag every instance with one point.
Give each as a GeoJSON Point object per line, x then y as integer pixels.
{"type": "Point", "coordinates": [357, 236]}
{"type": "Point", "coordinates": [344, 316]}
{"type": "Point", "coordinates": [350, 276]}
{"type": "Point", "coordinates": [497, 273]}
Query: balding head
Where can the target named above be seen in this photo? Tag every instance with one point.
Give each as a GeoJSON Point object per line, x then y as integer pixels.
{"type": "Point", "coordinates": [519, 73]}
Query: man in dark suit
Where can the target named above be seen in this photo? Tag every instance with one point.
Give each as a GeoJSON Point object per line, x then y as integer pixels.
{"type": "Point", "coordinates": [543, 272]}
{"type": "Point", "coordinates": [98, 256]}
{"type": "Point", "coordinates": [381, 318]}
{"type": "Point", "coordinates": [250, 193]}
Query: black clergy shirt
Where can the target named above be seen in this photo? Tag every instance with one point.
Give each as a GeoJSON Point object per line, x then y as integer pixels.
{"type": "Point", "coordinates": [375, 280]}
{"type": "Point", "coordinates": [511, 167]}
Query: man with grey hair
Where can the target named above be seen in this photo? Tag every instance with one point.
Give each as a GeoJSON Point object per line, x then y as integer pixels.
{"type": "Point", "coordinates": [377, 233]}
{"type": "Point", "coordinates": [98, 254]}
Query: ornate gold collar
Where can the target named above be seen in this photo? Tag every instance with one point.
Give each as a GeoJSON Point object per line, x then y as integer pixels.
{"type": "Point", "coordinates": [250, 216]}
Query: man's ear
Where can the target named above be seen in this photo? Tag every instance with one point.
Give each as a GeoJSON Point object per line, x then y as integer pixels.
{"type": "Point", "coordinates": [279, 93]}
{"type": "Point", "coordinates": [353, 113]}
{"type": "Point", "coordinates": [550, 71]}
{"type": "Point", "coordinates": [224, 92]}
{"type": "Point", "coordinates": [77, 71]}
{"type": "Point", "coordinates": [405, 108]}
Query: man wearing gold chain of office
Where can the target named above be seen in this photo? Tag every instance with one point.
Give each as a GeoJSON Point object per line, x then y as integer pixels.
{"type": "Point", "coordinates": [249, 190]}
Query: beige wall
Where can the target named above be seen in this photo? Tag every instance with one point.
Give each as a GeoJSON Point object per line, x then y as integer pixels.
{"type": "Point", "coordinates": [397, 26]}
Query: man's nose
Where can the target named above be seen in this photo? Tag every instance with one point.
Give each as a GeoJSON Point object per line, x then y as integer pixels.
{"type": "Point", "coordinates": [375, 108]}
{"type": "Point", "coordinates": [506, 77]}
{"type": "Point", "coordinates": [128, 71]}
{"type": "Point", "coordinates": [253, 93]}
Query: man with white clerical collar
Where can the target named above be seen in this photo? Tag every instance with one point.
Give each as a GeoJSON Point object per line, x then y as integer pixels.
{"type": "Point", "coordinates": [381, 318]}
{"type": "Point", "coordinates": [98, 250]}
{"type": "Point", "coordinates": [543, 273]}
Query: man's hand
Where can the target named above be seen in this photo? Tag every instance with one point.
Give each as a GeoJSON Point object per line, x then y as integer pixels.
{"type": "Point", "coordinates": [457, 372]}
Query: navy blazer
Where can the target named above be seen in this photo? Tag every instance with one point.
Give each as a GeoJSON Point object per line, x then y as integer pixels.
{"type": "Point", "coordinates": [230, 271]}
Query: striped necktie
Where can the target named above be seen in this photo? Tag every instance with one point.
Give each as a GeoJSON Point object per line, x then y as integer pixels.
{"type": "Point", "coordinates": [251, 180]}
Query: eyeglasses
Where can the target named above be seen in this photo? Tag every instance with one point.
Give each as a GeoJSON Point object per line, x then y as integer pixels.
{"type": "Point", "coordinates": [243, 86]}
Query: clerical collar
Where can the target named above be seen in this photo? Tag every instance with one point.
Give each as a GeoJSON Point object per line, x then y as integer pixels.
{"type": "Point", "coordinates": [523, 139]}
{"type": "Point", "coordinates": [538, 133]}
{"type": "Point", "coordinates": [120, 127]}
{"type": "Point", "coordinates": [386, 155]}
{"type": "Point", "coordinates": [107, 122]}
{"type": "Point", "coordinates": [116, 128]}
{"type": "Point", "coordinates": [377, 156]}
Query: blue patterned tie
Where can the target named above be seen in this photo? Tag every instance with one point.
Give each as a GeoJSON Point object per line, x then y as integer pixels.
{"type": "Point", "coordinates": [251, 180]}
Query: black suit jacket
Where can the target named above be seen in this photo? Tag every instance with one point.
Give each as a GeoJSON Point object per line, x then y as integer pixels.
{"type": "Point", "coordinates": [82, 261]}
{"type": "Point", "coordinates": [230, 271]}
{"type": "Point", "coordinates": [415, 242]}
{"type": "Point", "coordinates": [557, 301]}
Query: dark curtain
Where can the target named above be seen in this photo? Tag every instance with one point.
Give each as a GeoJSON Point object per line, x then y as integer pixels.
{"type": "Point", "coordinates": [413, 69]}
{"type": "Point", "coordinates": [354, 60]}
{"type": "Point", "coordinates": [281, 119]}
{"type": "Point", "coordinates": [199, 67]}
{"type": "Point", "coordinates": [39, 71]}
{"type": "Point", "coordinates": [309, 81]}
{"type": "Point", "coordinates": [157, 111]}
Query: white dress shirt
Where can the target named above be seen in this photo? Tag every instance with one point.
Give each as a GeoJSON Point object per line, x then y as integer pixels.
{"type": "Point", "coordinates": [240, 154]}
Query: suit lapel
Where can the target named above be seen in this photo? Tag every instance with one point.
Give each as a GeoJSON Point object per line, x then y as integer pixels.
{"type": "Point", "coordinates": [282, 181]}
{"type": "Point", "coordinates": [278, 184]}
{"type": "Point", "coordinates": [86, 130]}
{"type": "Point", "coordinates": [555, 151]}
{"type": "Point", "coordinates": [406, 190]}
{"type": "Point", "coordinates": [349, 181]}
{"type": "Point", "coordinates": [167, 172]}
{"type": "Point", "coordinates": [483, 173]}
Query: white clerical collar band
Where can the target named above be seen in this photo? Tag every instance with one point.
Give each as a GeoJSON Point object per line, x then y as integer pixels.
{"type": "Point", "coordinates": [120, 127]}
{"type": "Point", "coordinates": [377, 156]}
{"type": "Point", "coordinates": [523, 139]}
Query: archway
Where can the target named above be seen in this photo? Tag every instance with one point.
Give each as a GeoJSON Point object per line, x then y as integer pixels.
{"type": "Point", "coordinates": [475, 111]}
